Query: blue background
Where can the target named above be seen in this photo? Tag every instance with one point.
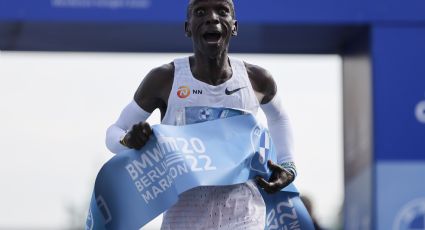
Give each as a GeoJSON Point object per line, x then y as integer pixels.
{"type": "Point", "coordinates": [399, 85]}
{"type": "Point", "coordinates": [269, 11]}
{"type": "Point", "coordinates": [307, 26]}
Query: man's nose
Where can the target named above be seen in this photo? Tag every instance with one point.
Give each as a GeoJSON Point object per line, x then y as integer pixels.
{"type": "Point", "coordinates": [212, 18]}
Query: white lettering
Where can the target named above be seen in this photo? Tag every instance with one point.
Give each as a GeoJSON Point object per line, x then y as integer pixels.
{"type": "Point", "coordinates": [169, 143]}
{"type": "Point", "coordinates": [147, 196]}
{"type": "Point", "coordinates": [197, 145]}
{"type": "Point", "coordinates": [194, 163]}
{"type": "Point", "coordinates": [139, 186]}
{"type": "Point", "coordinates": [112, 4]}
{"type": "Point", "coordinates": [131, 171]}
{"type": "Point", "coordinates": [292, 216]}
{"type": "Point", "coordinates": [152, 175]}
{"type": "Point", "coordinates": [145, 181]}
{"type": "Point", "coordinates": [295, 225]}
{"type": "Point", "coordinates": [271, 221]}
{"type": "Point", "coordinates": [285, 211]}
{"type": "Point", "coordinates": [159, 171]}
{"type": "Point", "coordinates": [140, 165]}
{"type": "Point", "coordinates": [173, 172]}
{"type": "Point", "coordinates": [156, 155]}
{"type": "Point", "coordinates": [182, 168]}
{"type": "Point", "coordinates": [156, 191]}
{"type": "Point", "coordinates": [164, 184]}
{"type": "Point", "coordinates": [185, 149]}
{"type": "Point", "coordinates": [283, 204]}
{"type": "Point", "coordinates": [208, 165]}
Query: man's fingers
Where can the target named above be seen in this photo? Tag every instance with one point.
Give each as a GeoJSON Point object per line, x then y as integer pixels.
{"type": "Point", "coordinates": [269, 187]}
{"type": "Point", "coordinates": [262, 183]}
{"type": "Point", "coordinates": [146, 128]}
{"type": "Point", "coordinates": [137, 129]}
{"type": "Point", "coordinates": [139, 135]}
{"type": "Point", "coordinates": [274, 189]}
{"type": "Point", "coordinates": [277, 181]}
{"type": "Point", "coordinates": [142, 131]}
{"type": "Point", "coordinates": [273, 166]}
{"type": "Point", "coordinates": [129, 141]}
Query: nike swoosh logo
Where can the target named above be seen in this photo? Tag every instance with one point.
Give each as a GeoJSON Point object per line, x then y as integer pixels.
{"type": "Point", "coordinates": [230, 92]}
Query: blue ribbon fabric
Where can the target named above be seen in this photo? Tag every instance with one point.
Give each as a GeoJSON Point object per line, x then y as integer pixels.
{"type": "Point", "coordinates": [134, 187]}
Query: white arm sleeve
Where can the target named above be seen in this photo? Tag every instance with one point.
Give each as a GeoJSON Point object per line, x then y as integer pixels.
{"type": "Point", "coordinates": [280, 130]}
{"type": "Point", "coordinates": [131, 115]}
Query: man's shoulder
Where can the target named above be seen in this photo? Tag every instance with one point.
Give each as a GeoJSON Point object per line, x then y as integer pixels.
{"type": "Point", "coordinates": [163, 72]}
{"type": "Point", "coordinates": [153, 92]}
{"type": "Point", "coordinates": [261, 80]}
{"type": "Point", "coordinates": [256, 71]}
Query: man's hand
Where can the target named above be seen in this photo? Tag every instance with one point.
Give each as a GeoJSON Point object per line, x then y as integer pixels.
{"type": "Point", "coordinates": [279, 179]}
{"type": "Point", "coordinates": [137, 137]}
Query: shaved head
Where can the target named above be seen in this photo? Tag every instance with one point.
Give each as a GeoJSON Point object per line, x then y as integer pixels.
{"type": "Point", "coordinates": [192, 2]}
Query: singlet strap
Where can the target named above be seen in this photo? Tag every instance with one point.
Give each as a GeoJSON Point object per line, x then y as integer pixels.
{"type": "Point", "coordinates": [182, 67]}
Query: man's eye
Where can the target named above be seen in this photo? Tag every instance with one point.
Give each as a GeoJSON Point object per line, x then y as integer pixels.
{"type": "Point", "coordinates": [223, 12]}
{"type": "Point", "coordinates": [199, 12]}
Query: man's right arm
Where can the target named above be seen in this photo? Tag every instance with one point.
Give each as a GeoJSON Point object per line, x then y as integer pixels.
{"type": "Point", "coordinates": [131, 130]}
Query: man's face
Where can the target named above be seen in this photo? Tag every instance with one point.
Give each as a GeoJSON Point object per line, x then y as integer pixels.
{"type": "Point", "coordinates": [210, 24]}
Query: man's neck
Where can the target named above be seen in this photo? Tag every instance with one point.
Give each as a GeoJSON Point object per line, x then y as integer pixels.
{"type": "Point", "coordinates": [213, 71]}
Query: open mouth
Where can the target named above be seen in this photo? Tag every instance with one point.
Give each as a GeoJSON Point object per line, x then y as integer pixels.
{"type": "Point", "coordinates": [212, 37]}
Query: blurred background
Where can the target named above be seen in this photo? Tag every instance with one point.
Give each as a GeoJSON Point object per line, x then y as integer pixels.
{"type": "Point", "coordinates": [351, 75]}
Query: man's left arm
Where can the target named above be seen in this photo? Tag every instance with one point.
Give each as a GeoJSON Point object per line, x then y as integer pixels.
{"type": "Point", "coordinates": [283, 171]}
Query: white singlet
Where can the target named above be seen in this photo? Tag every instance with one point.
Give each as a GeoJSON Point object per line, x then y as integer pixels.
{"type": "Point", "coordinates": [233, 207]}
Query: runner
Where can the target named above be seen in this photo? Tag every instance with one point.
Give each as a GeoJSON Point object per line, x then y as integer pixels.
{"type": "Point", "coordinates": [210, 78]}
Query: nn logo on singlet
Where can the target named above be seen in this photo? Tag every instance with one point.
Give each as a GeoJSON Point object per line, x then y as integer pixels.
{"type": "Point", "coordinates": [184, 91]}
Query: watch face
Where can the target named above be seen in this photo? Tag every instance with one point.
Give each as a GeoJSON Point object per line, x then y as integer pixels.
{"type": "Point", "coordinates": [411, 216]}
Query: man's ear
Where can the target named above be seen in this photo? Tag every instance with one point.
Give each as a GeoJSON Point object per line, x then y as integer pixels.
{"type": "Point", "coordinates": [235, 28]}
{"type": "Point", "coordinates": [187, 31]}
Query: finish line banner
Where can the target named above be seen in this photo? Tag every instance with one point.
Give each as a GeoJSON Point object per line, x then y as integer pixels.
{"type": "Point", "coordinates": [134, 187]}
